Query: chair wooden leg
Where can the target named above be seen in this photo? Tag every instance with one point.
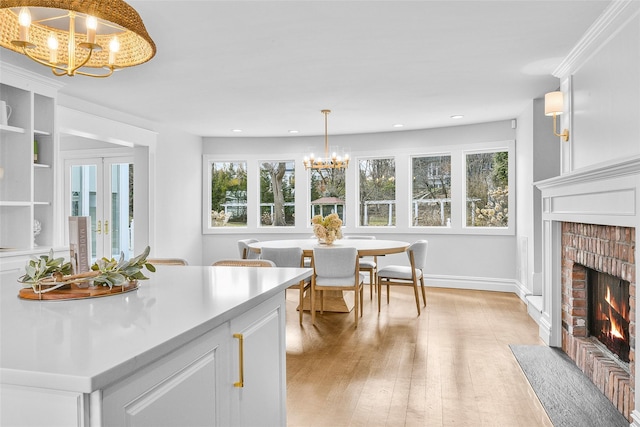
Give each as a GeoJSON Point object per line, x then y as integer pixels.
{"type": "Point", "coordinates": [301, 300]}
{"type": "Point", "coordinates": [415, 291]}
{"type": "Point", "coordinates": [388, 292]}
{"type": "Point", "coordinates": [379, 287]}
{"type": "Point", "coordinates": [361, 301]}
{"type": "Point", "coordinates": [371, 284]}
{"type": "Point", "coordinates": [312, 297]}
{"type": "Point", "coordinates": [424, 297]}
{"type": "Point", "coordinates": [355, 309]}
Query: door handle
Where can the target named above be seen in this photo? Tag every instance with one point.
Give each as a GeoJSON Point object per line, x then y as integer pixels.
{"type": "Point", "coordinates": [106, 227]}
{"type": "Point", "coordinates": [99, 227]}
{"type": "Point", "coordinates": [241, 359]}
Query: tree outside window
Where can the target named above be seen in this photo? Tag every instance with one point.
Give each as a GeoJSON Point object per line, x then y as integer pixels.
{"type": "Point", "coordinates": [229, 191]}
{"type": "Point", "coordinates": [277, 194]}
{"type": "Point", "coordinates": [377, 202]}
{"type": "Point", "coordinates": [431, 191]}
{"type": "Point", "coordinates": [327, 192]}
{"type": "Point", "coordinates": [488, 189]}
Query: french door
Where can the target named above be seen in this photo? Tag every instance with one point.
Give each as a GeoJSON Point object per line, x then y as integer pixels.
{"type": "Point", "coordinates": [102, 188]}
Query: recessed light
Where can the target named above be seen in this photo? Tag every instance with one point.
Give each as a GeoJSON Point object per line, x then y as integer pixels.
{"type": "Point", "coordinates": [236, 130]}
{"type": "Point", "coordinates": [293, 131]}
{"type": "Point", "coordinates": [398, 125]}
{"type": "Point", "coordinates": [457, 116]}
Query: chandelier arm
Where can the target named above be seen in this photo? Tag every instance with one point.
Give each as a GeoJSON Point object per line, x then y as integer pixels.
{"type": "Point", "coordinates": [74, 69]}
{"type": "Point", "coordinates": [82, 73]}
{"type": "Point", "coordinates": [38, 60]}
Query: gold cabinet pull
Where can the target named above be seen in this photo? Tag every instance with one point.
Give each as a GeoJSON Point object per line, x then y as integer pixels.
{"type": "Point", "coordinates": [99, 228]}
{"type": "Point", "coordinates": [106, 227]}
{"type": "Point", "coordinates": [241, 359]}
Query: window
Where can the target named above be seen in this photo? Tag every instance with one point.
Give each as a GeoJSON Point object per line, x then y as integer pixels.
{"type": "Point", "coordinates": [277, 194]}
{"type": "Point", "coordinates": [327, 192]}
{"type": "Point", "coordinates": [377, 201]}
{"type": "Point", "coordinates": [228, 194]}
{"type": "Point", "coordinates": [431, 191]}
{"type": "Point", "coordinates": [488, 189]}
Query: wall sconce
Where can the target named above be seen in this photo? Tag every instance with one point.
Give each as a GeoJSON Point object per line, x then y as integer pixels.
{"type": "Point", "coordinates": [554, 105]}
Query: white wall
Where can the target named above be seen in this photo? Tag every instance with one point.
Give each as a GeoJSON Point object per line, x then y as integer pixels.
{"type": "Point", "coordinates": [538, 158]}
{"type": "Point", "coordinates": [178, 194]}
{"type": "Point", "coordinates": [601, 82]}
{"type": "Point", "coordinates": [172, 190]}
{"type": "Point", "coordinates": [478, 261]}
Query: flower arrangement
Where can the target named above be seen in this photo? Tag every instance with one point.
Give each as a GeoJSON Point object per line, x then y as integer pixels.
{"type": "Point", "coordinates": [218, 219]}
{"type": "Point", "coordinates": [327, 229]}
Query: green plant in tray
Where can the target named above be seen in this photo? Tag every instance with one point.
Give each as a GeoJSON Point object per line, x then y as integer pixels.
{"type": "Point", "coordinates": [42, 267]}
{"type": "Point", "coordinates": [114, 273]}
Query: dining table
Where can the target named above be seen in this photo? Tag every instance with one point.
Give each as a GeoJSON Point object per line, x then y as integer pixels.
{"type": "Point", "coordinates": [336, 301]}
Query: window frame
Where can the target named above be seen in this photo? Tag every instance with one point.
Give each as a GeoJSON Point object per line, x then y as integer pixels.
{"type": "Point", "coordinates": [357, 192]}
{"type": "Point", "coordinates": [403, 175]}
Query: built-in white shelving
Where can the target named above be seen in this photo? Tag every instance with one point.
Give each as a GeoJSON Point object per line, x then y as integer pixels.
{"type": "Point", "coordinates": [27, 185]}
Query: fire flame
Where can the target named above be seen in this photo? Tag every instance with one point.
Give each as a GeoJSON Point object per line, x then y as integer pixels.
{"type": "Point", "coordinates": [615, 326]}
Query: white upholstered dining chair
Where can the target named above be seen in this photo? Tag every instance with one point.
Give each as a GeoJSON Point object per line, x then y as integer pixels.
{"type": "Point", "coordinates": [336, 269]}
{"type": "Point", "coordinates": [289, 257]}
{"type": "Point", "coordinates": [367, 265]}
{"type": "Point", "coordinates": [401, 275]}
{"type": "Point", "coordinates": [245, 251]}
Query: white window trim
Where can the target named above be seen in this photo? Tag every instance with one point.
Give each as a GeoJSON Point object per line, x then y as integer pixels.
{"type": "Point", "coordinates": [403, 198]}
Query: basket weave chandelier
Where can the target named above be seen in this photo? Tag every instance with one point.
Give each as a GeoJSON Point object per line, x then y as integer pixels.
{"type": "Point", "coordinates": [335, 161]}
{"type": "Point", "coordinates": [85, 37]}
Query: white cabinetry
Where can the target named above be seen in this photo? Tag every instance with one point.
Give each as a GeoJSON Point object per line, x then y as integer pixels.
{"type": "Point", "coordinates": [197, 384]}
{"type": "Point", "coordinates": [27, 187]}
{"type": "Point", "coordinates": [261, 400]}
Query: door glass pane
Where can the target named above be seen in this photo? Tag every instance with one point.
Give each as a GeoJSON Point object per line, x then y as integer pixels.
{"type": "Point", "coordinates": [120, 226]}
{"type": "Point", "coordinates": [83, 197]}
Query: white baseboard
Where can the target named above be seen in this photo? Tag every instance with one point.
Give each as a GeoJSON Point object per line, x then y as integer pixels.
{"type": "Point", "coordinates": [472, 283]}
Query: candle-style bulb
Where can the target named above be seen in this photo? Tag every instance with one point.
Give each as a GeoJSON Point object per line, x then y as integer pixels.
{"type": "Point", "coordinates": [52, 42]}
{"type": "Point", "coordinates": [24, 19]}
{"type": "Point", "coordinates": [114, 47]}
{"type": "Point", "coordinates": [92, 26]}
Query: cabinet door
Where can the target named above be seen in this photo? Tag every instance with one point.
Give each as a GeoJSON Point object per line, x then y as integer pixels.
{"type": "Point", "coordinates": [183, 388]}
{"type": "Point", "coordinates": [261, 398]}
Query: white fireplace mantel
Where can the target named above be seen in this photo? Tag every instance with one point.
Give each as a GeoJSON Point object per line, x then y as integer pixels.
{"type": "Point", "coordinates": [605, 194]}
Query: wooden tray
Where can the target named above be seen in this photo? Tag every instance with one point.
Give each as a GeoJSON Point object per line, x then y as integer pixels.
{"type": "Point", "coordinates": [74, 292]}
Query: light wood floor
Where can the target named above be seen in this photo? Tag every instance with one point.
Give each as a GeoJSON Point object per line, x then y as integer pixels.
{"type": "Point", "coordinates": [451, 366]}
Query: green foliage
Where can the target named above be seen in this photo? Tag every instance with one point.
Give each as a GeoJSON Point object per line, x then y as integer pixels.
{"type": "Point", "coordinates": [114, 273]}
{"type": "Point", "coordinates": [44, 266]}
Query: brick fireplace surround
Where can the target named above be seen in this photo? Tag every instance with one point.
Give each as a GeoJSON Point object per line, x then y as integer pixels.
{"type": "Point", "coordinates": [608, 249]}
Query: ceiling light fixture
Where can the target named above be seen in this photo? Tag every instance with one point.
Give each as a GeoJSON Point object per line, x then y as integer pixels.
{"type": "Point", "coordinates": [114, 36]}
{"type": "Point", "coordinates": [456, 116]}
{"type": "Point", "coordinates": [338, 159]}
{"type": "Point", "coordinates": [554, 106]}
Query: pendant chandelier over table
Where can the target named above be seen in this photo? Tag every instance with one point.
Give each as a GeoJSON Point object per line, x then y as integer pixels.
{"type": "Point", "coordinates": [337, 159]}
{"type": "Point", "coordinates": [90, 38]}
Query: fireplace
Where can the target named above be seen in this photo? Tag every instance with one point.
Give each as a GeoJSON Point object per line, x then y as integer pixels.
{"type": "Point", "coordinates": [608, 315]}
{"type": "Point", "coordinates": [598, 305]}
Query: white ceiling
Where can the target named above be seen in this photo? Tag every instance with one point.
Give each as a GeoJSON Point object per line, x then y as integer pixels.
{"type": "Point", "coordinates": [268, 67]}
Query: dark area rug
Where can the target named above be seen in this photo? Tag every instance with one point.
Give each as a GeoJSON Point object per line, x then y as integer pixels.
{"type": "Point", "coordinates": [568, 396]}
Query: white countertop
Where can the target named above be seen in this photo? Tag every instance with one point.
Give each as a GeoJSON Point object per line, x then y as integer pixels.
{"type": "Point", "coordinates": [83, 345]}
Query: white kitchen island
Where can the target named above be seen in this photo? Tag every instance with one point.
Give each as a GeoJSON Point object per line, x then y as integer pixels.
{"type": "Point", "coordinates": [191, 346]}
